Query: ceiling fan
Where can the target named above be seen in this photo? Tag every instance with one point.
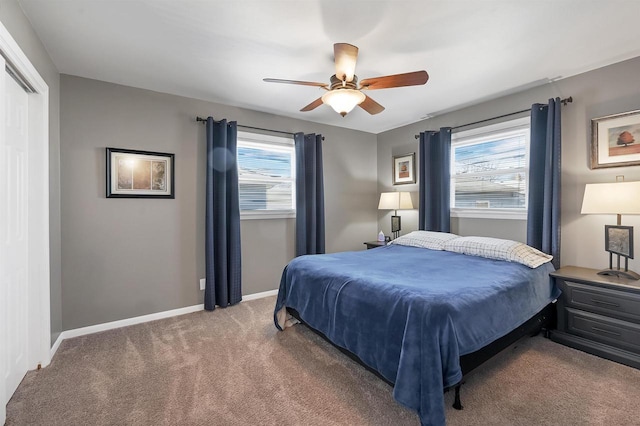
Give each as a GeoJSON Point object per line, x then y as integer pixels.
{"type": "Point", "coordinates": [343, 93]}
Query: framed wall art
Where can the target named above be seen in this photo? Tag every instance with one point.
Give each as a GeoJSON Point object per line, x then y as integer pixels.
{"type": "Point", "coordinates": [404, 169]}
{"type": "Point", "coordinates": [139, 174]}
{"type": "Point", "coordinates": [395, 224]}
{"type": "Point", "coordinates": [615, 140]}
{"type": "Point", "coordinates": [619, 240]}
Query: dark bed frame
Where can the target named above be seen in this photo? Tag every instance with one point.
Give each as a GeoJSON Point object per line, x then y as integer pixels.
{"type": "Point", "coordinates": [544, 321]}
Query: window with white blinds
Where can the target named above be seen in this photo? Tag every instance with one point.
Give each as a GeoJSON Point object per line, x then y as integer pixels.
{"type": "Point", "coordinates": [266, 176]}
{"type": "Point", "coordinates": [490, 170]}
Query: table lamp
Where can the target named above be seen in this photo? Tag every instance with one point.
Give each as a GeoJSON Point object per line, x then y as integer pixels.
{"type": "Point", "coordinates": [395, 201]}
{"type": "Point", "coordinates": [615, 198]}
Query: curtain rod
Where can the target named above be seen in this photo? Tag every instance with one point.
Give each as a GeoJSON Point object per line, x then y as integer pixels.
{"type": "Point", "coordinates": [204, 120]}
{"type": "Point", "coordinates": [563, 101]}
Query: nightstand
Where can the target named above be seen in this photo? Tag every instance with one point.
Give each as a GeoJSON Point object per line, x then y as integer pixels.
{"type": "Point", "coordinates": [599, 314]}
{"type": "Point", "coordinates": [374, 244]}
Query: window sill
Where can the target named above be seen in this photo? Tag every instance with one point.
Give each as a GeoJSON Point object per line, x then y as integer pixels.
{"type": "Point", "coordinates": [253, 215]}
{"type": "Point", "coordinates": [489, 213]}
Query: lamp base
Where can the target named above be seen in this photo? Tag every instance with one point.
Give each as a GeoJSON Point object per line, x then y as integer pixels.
{"type": "Point", "coordinates": [621, 273]}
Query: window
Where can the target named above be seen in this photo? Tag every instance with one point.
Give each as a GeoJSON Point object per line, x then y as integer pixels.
{"type": "Point", "coordinates": [490, 171]}
{"type": "Point", "coordinates": [266, 176]}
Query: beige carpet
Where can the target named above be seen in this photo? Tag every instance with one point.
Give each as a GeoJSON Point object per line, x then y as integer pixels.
{"type": "Point", "coordinates": [232, 367]}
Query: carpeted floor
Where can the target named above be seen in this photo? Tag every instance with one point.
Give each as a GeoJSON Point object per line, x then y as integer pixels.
{"type": "Point", "coordinates": [232, 367]}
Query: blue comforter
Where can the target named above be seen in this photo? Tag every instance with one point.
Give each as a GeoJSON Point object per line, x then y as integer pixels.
{"type": "Point", "coordinates": [410, 313]}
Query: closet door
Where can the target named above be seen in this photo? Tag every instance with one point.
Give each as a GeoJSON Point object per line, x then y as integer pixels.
{"type": "Point", "coordinates": [14, 232]}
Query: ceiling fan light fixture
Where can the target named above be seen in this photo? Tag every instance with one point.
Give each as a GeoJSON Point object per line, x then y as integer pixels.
{"type": "Point", "coordinates": [343, 101]}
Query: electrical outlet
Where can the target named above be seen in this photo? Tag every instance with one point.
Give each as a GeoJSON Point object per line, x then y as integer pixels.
{"type": "Point", "coordinates": [203, 282]}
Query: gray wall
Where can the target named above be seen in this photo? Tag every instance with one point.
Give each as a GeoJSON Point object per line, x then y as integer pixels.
{"type": "Point", "coordinates": [128, 257]}
{"type": "Point", "coordinates": [20, 29]}
{"type": "Point", "coordinates": [601, 92]}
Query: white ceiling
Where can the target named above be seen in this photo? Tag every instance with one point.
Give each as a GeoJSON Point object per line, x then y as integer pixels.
{"type": "Point", "coordinates": [221, 50]}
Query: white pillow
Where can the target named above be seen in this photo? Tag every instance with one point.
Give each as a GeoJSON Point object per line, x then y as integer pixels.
{"type": "Point", "coordinates": [495, 248]}
{"type": "Point", "coordinates": [425, 239]}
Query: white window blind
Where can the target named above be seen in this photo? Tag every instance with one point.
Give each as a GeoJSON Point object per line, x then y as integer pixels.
{"type": "Point", "coordinates": [490, 168]}
{"type": "Point", "coordinates": [266, 176]}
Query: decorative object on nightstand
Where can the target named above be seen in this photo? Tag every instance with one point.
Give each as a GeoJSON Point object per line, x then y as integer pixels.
{"type": "Point", "coordinates": [615, 198]}
{"type": "Point", "coordinates": [395, 201]}
{"type": "Point", "coordinates": [599, 314]}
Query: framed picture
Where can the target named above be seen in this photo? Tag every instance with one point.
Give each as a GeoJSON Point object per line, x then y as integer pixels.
{"type": "Point", "coordinates": [619, 240]}
{"type": "Point", "coordinates": [395, 223]}
{"type": "Point", "coordinates": [404, 169]}
{"type": "Point", "coordinates": [139, 174]}
{"type": "Point", "coordinates": [615, 140]}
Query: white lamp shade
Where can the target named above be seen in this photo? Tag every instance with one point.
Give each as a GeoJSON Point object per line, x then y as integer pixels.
{"type": "Point", "coordinates": [611, 198]}
{"type": "Point", "coordinates": [395, 201]}
{"type": "Point", "coordinates": [343, 100]}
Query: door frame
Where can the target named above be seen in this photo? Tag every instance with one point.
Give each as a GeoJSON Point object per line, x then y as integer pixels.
{"type": "Point", "coordinates": [39, 323]}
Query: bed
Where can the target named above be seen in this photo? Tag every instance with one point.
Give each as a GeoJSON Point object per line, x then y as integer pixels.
{"type": "Point", "coordinates": [412, 310]}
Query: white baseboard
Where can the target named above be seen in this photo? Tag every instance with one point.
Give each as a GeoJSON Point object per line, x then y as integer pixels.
{"type": "Point", "coordinates": [77, 332]}
{"type": "Point", "coordinates": [56, 345]}
{"type": "Point", "coordinates": [259, 295]}
{"type": "Point", "coordinates": [82, 331]}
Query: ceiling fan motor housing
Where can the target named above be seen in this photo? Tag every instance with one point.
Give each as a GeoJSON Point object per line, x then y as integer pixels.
{"type": "Point", "coordinates": [336, 83]}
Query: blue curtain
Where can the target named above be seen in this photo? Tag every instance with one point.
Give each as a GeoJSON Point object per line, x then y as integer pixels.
{"type": "Point", "coordinates": [435, 181]}
{"type": "Point", "coordinates": [309, 194]}
{"type": "Point", "coordinates": [543, 217]}
{"type": "Point", "coordinates": [222, 219]}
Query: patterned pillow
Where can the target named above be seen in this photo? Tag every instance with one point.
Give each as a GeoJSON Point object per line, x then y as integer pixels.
{"type": "Point", "coordinates": [495, 248]}
{"type": "Point", "coordinates": [425, 239]}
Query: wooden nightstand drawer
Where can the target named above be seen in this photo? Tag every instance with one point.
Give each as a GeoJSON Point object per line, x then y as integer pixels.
{"type": "Point", "coordinates": [603, 300]}
{"type": "Point", "coordinates": [599, 314]}
{"type": "Point", "coordinates": [622, 334]}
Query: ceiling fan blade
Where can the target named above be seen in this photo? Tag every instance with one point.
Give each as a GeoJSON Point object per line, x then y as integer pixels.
{"type": "Point", "coordinates": [415, 78]}
{"type": "Point", "coordinates": [345, 56]}
{"type": "Point", "coordinates": [302, 83]}
{"type": "Point", "coordinates": [313, 105]}
{"type": "Point", "coordinates": [371, 106]}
